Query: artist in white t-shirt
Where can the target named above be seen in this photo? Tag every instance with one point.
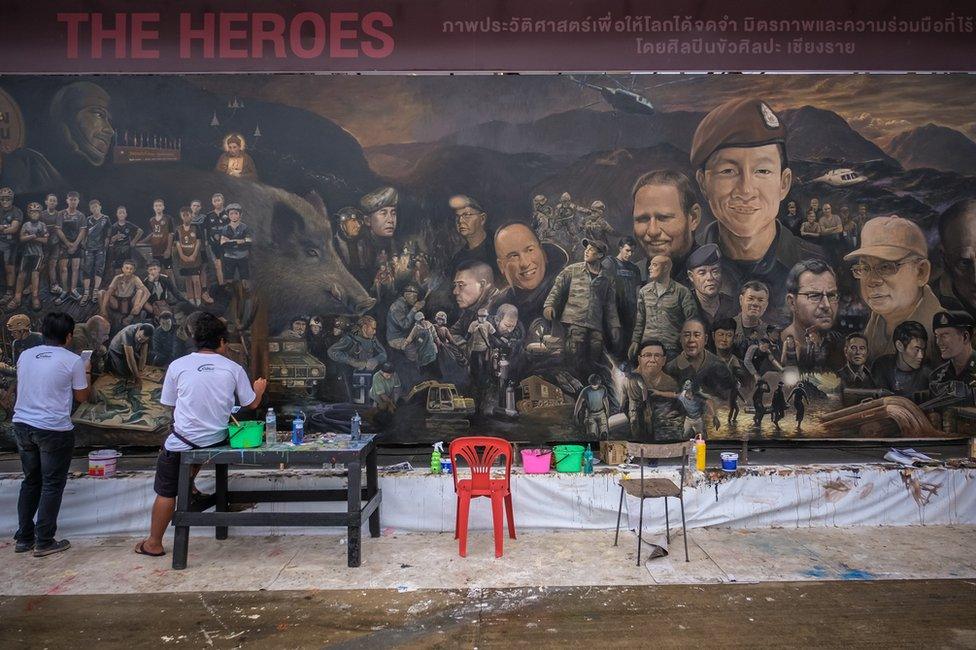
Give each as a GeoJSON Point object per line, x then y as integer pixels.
{"type": "Point", "coordinates": [48, 377]}
{"type": "Point", "coordinates": [201, 387]}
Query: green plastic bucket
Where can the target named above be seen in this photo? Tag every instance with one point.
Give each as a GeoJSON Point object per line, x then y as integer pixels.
{"type": "Point", "coordinates": [249, 433]}
{"type": "Point", "coordinates": [569, 458]}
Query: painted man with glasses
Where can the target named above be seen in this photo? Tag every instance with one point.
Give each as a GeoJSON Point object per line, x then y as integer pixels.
{"type": "Point", "coordinates": [813, 299]}
{"type": "Point", "coordinates": [470, 219]}
{"type": "Point", "coordinates": [893, 269]}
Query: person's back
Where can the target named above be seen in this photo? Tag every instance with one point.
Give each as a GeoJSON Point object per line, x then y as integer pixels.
{"type": "Point", "coordinates": [49, 377]}
{"type": "Point", "coordinates": [46, 375]}
{"type": "Point", "coordinates": [201, 387]}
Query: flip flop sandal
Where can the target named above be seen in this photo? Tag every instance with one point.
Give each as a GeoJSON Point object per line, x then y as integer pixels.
{"type": "Point", "coordinates": [139, 550]}
{"type": "Point", "coordinates": [13, 304]}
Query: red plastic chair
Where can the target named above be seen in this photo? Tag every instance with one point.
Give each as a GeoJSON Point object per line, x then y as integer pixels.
{"type": "Point", "coordinates": [479, 454]}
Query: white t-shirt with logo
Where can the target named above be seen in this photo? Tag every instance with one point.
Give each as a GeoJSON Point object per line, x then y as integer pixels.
{"type": "Point", "coordinates": [202, 387]}
{"type": "Point", "coordinates": [46, 375]}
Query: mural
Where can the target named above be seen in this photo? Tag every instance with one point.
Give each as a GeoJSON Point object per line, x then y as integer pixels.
{"type": "Point", "coordinates": [737, 256]}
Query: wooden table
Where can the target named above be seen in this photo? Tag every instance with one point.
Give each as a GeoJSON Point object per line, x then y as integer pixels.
{"type": "Point", "coordinates": [352, 454]}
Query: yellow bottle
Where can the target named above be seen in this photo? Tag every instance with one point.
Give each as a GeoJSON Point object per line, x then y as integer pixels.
{"type": "Point", "coordinates": [699, 453]}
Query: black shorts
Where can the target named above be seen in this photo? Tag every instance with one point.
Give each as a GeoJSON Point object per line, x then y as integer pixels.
{"type": "Point", "coordinates": [30, 263]}
{"type": "Point", "coordinates": [241, 266]}
{"type": "Point", "coordinates": [166, 483]}
{"type": "Point", "coordinates": [189, 272]}
{"type": "Point", "coordinates": [65, 255]}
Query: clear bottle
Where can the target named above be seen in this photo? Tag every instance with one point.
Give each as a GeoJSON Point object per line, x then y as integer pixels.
{"type": "Point", "coordinates": [588, 460]}
{"type": "Point", "coordinates": [270, 427]}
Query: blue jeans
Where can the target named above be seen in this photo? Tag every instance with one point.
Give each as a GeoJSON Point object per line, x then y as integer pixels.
{"type": "Point", "coordinates": [45, 457]}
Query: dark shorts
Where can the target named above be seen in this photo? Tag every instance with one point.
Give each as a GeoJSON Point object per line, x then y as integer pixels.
{"type": "Point", "coordinates": [216, 250]}
{"type": "Point", "coordinates": [30, 263]}
{"type": "Point", "coordinates": [166, 483]}
{"type": "Point", "coordinates": [189, 272]}
{"type": "Point", "coordinates": [94, 263]}
{"type": "Point", "coordinates": [65, 255]}
{"type": "Point", "coordinates": [240, 266]}
{"type": "Point", "coordinates": [8, 250]}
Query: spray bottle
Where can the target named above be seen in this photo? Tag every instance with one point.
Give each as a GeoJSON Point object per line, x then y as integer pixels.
{"type": "Point", "coordinates": [699, 453]}
{"type": "Point", "coordinates": [435, 458]}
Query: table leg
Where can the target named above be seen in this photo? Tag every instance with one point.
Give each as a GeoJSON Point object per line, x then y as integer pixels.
{"type": "Point", "coordinates": [372, 487]}
{"type": "Point", "coordinates": [221, 494]}
{"type": "Point", "coordinates": [181, 538]}
{"type": "Point", "coordinates": [354, 499]}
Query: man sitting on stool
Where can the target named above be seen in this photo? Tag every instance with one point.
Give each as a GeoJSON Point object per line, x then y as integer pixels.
{"type": "Point", "coordinates": [200, 387]}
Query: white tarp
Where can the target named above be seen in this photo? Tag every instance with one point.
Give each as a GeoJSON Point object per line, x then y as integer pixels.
{"type": "Point", "coordinates": [791, 497]}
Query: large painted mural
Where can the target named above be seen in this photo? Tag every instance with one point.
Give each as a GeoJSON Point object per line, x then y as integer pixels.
{"type": "Point", "coordinates": [541, 257]}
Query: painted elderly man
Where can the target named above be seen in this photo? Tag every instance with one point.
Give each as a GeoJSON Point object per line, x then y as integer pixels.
{"type": "Point", "coordinates": [651, 392]}
{"type": "Point", "coordinates": [663, 306]}
{"type": "Point", "coordinates": [699, 365]}
{"type": "Point", "coordinates": [705, 273]}
{"type": "Point", "coordinates": [893, 270]}
{"type": "Point", "coordinates": [584, 299]}
{"type": "Point", "coordinates": [739, 154]}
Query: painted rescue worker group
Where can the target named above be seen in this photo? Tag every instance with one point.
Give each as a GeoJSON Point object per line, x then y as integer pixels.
{"type": "Point", "coordinates": [752, 311]}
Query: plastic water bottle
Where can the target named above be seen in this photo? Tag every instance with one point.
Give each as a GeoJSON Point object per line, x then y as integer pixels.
{"type": "Point", "coordinates": [354, 434]}
{"type": "Point", "coordinates": [588, 460]}
{"type": "Point", "coordinates": [270, 427]}
{"type": "Point", "coordinates": [297, 430]}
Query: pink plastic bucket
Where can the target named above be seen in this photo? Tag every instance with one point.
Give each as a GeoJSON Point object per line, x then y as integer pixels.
{"type": "Point", "coordinates": [536, 461]}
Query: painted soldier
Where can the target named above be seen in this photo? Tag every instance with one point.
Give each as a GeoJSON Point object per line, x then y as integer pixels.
{"type": "Point", "coordinates": [351, 245]}
{"type": "Point", "coordinates": [739, 154]}
{"type": "Point", "coordinates": [706, 370]}
{"type": "Point", "coordinates": [663, 306]}
{"type": "Point", "coordinates": [584, 299]}
{"type": "Point", "coordinates": [705, 273]}
{"type": "Point", "coordinates": [470, 220]}
{"type": "Point", "coordinates": [953, 336]}
{"type": "Point", "coordinates": [358, 351]}
{"type": "Point", "coordinates": [627, 282]}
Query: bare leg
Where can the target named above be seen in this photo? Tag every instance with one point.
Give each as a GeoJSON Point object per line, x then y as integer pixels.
{"type": "Point", "coordinates": [18, 292]}
{"type": "Point", "coordinates": [63, 264]}
{"type": "Point", "coordinates": [11, 276]}
{"type": "Point", "coordinates": [75, 270]}
{"type": "Point", "coordinates": [36, 285]}
{"type": "Point", "coordinates": [219, 269]}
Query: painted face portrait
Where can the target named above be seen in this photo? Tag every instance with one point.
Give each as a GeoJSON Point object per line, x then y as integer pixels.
{"type": "Point", "coordinates": [352, 227]}
{"type": "Point", "coordinates": [744, 187]}
{"type": "Point", "coordinates": [951, 342]}
{"type": "Point", "coordinates": [816, 302]}
{"type": "Point", "coordinates": [706, 279]}
{"type": "Point", "coordinates": [468, 289]}
{"type": "Point", "coordinates": [913, 354]}
{"type": "Point", "coordinates": [81, 110]}
{"type": "Point", "coordinates": [693, 339]}
{"type": "Point", "coordinates": [661, 226]}
{"type": "Point", "coordinates": [753, 303]}
{"type": "Point", "coordinates": [856, 351]}
{"type": "Point", "coordinates": [959, 253]}
{"type": "Point", "coordinates": [470, 221]}
{"type": "Point", "coordinates": [520, 257]}
{"type": "Point", "coordinates": [891, 288]}
{"type": "Point", "coordinates": [651, 360]}
{"type": "Point", "coordinates": [723, 339]}
{"type": "Point", "coordinates": [383, 222]}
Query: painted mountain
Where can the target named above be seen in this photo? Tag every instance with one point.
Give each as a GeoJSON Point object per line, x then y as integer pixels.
{"type": "Point", "coordinates": [935, 147]}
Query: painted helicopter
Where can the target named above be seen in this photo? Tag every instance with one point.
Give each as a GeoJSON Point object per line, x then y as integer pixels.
{"type": "Point", "coordinates": [620, 97]}
{"type": "Point", "coordinates": [837, 175]}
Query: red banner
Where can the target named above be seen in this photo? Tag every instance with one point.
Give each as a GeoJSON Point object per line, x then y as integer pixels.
{"type": "Point", "coordinates": [64, 36]}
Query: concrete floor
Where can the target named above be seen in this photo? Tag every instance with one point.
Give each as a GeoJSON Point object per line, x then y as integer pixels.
{"type": "Point", "coordinates": [408, 562]}
{"type": "Point", "coordinates": [889, 614]}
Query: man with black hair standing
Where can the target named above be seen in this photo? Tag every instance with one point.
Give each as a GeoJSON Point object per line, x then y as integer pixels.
{"type": "Point", "coordinates": [201, 387]}
{"type": "Point", "coordinates": [49, 376]}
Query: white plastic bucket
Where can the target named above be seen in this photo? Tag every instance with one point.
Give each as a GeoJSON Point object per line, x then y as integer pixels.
{"type": "Point", "coordinates": [102, 463]}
